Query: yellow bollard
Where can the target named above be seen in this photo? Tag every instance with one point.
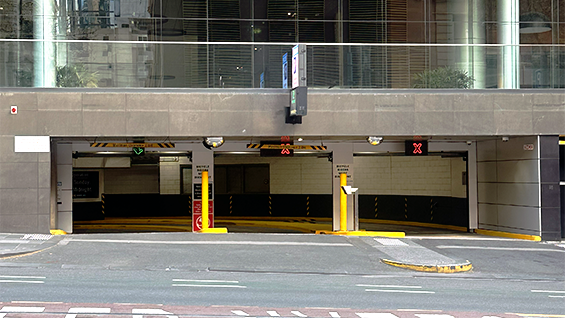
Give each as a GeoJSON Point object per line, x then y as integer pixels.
{"type": "Point", "coordinates": [204, 200]}
{"type": "Point", "coordinates": [343, 203]}
{"type": "Point", "coordinates": [205, 208]}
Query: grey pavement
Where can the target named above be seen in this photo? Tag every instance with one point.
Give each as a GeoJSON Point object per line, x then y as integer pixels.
{"type": "Point", "coordinates": [402, 252]}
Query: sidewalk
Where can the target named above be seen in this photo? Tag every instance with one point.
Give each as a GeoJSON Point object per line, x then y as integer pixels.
{"type": "Point", "coordinates": [12, 245]}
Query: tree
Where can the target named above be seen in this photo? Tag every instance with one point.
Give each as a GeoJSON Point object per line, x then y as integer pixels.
{"type": "Point", "coordinates": [443, 77]}
{"type": "Point", "coordinates": [76, 75]}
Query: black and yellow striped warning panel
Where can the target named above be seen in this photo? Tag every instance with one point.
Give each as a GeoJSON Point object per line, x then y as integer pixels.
{"type": "Point", "coordinates": [283, 146]}
{"type": "Point", "coordinates": [562, 140]}
{"type": "Point", "coordinates": [133, 144]}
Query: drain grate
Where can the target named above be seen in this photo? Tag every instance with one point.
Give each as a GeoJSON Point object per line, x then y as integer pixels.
{"type": "Point", "coordinates": [37, 237]}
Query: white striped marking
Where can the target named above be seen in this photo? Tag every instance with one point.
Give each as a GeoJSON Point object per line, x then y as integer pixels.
{"type": "Point", "coordinates": [73, 312]}
{"type": "Point", "coordinates": [400, 291]}
{"type": "Point", "coordinates": [433, 316]}
{"type": "Point", "coordinates": [490, 317]}
{"type": "Point", "coordinates": [86, 310]}
{"type": "Point", "coordinates": [273, 313]}
{"type": "Point", "coordinates": [388, 286]}
{"type": "Point", "coordinates": [214, 242]}
{"type": "Point", "coordinates": [138, 313]}
{"type": "Point", "coordinates": [555, 296]}
{"type": "Point", "coordinates": [334, 314]}
{"type": "Point", "coordinates": [376, 315]}
{"type": "Point", "coordinates": [206, 281]}
{"type": "Point", "coordinates": [390, 242]}
{"type": "Point", "coordinates": [548, 291]}
{"type": "Point", "coordinates": [26, 277]}
{"type": "Point", "coordinates": [22, 309]}
{"type": "Point", "coordinates": [524, 249]}
{"type": "Point", "coordinates": [298, 313]}
{"type": "Point", "coordinates": [213, 286]}
{"type": "Point", "coordinates": [240, 313]}
{"type": "Point", "coordinates": [2, 315]}
{"type": "Point", "coordinates": [23, 281]}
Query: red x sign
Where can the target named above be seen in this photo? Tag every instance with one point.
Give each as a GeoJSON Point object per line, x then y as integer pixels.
{"type": "Point", "coordinates": [417, 148]}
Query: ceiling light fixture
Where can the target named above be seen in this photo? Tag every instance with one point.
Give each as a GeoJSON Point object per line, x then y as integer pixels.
{"type": "Point", "coordinates": [374, 140]}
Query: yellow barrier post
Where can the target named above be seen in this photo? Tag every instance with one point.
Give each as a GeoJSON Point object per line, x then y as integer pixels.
{"type": "Point", "coordinates": [204, 200]}
{"type": "Point", "coordinates": [343, 203]}
{"type": "Point", "coordinates": [205, 208]}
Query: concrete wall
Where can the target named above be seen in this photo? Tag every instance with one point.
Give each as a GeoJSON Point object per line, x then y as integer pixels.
{"type": "Point", "coordinates": [509, 186]}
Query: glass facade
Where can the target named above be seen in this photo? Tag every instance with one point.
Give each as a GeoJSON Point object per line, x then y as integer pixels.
{"type": "Point", "coordinates": [234, 43]}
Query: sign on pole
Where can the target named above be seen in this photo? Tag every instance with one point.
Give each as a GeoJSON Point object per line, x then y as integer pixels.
{"type": "Point", "coordinates": [197, 198]}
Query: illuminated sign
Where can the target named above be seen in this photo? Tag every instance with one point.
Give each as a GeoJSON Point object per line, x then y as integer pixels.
{"type": "Point", "coordinates": [138, 151]}
{"type": "Point", "coordinates": [416, 148]}
{"type": "Point", "coordinates": [282, 148]}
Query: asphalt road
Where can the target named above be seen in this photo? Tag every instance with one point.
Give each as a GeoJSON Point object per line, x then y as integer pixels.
{"type": "Point", "coordinates": [284, 271]}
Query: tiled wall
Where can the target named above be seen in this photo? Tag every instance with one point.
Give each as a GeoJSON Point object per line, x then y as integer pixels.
{"type": "Point", "coordinates": [434, 176]}
{"type": "Point", "coordinates": [508, 185]}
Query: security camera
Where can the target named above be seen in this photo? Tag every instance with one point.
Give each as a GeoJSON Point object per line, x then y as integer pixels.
{"type": "Point", "coordinates": [505, 139]}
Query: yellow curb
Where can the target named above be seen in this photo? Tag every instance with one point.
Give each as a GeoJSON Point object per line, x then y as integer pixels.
{"type": "Point", "coordinates": [431, 268]}
{"type": "Point", "coordinates": [509, 235]}
{"type": "Point", "coordinates": [364, 233]}
{"type": "Point", "coordinates": [215, 230]}
{"type": "Point", "coordinates": [421, 224]}
{"type": "Point", "coordinates": [58, 232]}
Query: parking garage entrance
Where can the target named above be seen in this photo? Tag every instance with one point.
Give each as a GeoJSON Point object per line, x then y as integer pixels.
{"type": "Point", "coordinates": [120, 191]}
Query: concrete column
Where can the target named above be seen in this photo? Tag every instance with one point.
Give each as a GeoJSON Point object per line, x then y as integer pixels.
{"type": "Point", "coordinates": [468, 29]}
{"type": "Point", "coordinates": [550, 197]}
{"type": "Point", "coordinates": [472, 186]}
{"type": "Point", "coordinates": [65, 187]}
{"type": "Point", "coordinates": [342, 162]}
{"type": "Point", "coordinates": [202, 159]}
{"type": "Point", "coordinates": [509, 35]}
{"type": "Point", "coordinates": [44, 49]}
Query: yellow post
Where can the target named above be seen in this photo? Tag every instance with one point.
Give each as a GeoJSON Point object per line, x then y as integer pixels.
{"type": "Point", "coordinates": [204, 200]}
{"type": "Point", "coordinates": [343, 203]}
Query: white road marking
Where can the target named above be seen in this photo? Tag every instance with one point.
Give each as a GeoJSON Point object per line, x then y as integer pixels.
{"type": "Point", "coordinates": [206, 281]}
{"type": "Point", "coordinates": [419, 310]}
{"type": "Point", "coordinates": [214, 242]}
{"type": "Point", "coordinates": [73, 312]}
{"type": "Point", "coordinates": [524, 249]}
{"type": "Point", "coordinates": [400, 291]}
{"type": "Point", "coordinates": [23, 281]}
{"type": "Point", "coordinates": [555, 296]}
{"type": "Point", "coordinates": [434, 316]}
{"type": "Point", "coordinates": [460, 237]}
{"type": "Point", "coordinates": [273, 313]}
{"type": "Point", "coordinates": [390, 242]}
{"type": "Point", "coordinates": [86, 310]}
{"type": "Point", "coordinates": [334, 314]}
{"type": "Point", "coordinates": [138, 313]}
{"type": "Point", "coordinates": [2, 315]}
{"type": "Point", "coordinates": [27, 277]}
{"type": "Point", "coordinates": [490, 317]}
{"type": "Point", "coordinates": [548, 291]}
{"type": "Point", "coordinates": [240, 313]}
{"type": "Point", "coordinates": [388, 286]}
{"type": "Point", "coordinates": [217, 286]}
{"type": "Point", "coordinates": [22, 309]}
{"type": "Point", "coordinates": [298, 313]}
{"type": "Point", "coordinates": [376, 315]}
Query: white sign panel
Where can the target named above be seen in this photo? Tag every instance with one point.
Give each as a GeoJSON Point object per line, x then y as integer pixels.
{"type": "Point", "coordinates": [32, 144]}
{"type": "Point", "coordinates": [295, 77]}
